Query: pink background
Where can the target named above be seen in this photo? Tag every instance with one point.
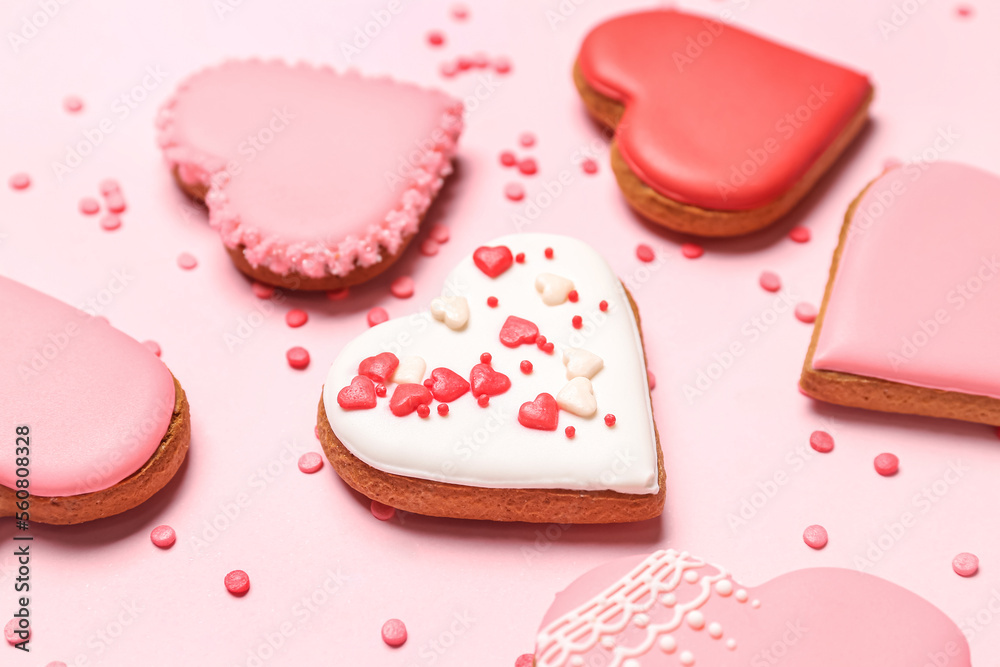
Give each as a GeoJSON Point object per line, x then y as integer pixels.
{"type": "Point", "coordinates": [252, 414]}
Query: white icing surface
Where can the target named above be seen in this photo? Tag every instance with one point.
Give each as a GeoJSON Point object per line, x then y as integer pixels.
{"type": "Point", "coordinates": [487, 447]}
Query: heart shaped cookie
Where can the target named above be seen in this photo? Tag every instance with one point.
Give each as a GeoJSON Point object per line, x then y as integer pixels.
{"type": "Point", "coordinates": [316, 180]}
{"type": "Point", "coordinates": [482, 435]}
{"type": "Point", "coordinates": [670, 609]}
{"type": "Point", "coordinates": [912, 308]}
{"type": "Point", "coordinates": [93, 421]}
{"type": "Point", "coordinates": [718, 132]}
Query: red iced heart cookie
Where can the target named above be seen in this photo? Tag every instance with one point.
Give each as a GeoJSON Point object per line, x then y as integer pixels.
{"type": "Point", "coordinates": [380, 367]}
{"type": "Point", "coordinates": [359, 395]}
{"type": "Point", "coordinates": [541, 413]}
{"type": "Point", "coordinates": [478, 451]}
{"type": "Point", "coordinates": [493, 261]}
{"type": "Point", "coordinates": [670, 608]}
{"type": "Point", "coordinates": [719, 132]}
{"type": "Point", "coordinates": [100, 418]}
{"type": "Point", "coordinates": [314, 179]}
{"type": "Point", "coordinates": [913, 308]}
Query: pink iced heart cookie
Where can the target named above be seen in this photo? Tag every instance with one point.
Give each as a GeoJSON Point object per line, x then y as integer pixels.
{"type": "Point", "coordinates": [101, 424]}
{"type": "Point", "coordinates": [912, 309]}
{"type": "Point", "coordinates": [719, 132]}
{"type": "Point", "coordinates": [671, 609]}
{"type": "Point", "coordinates": [315, 179]}
{"type": "Point", "coordinates": [468, 425]}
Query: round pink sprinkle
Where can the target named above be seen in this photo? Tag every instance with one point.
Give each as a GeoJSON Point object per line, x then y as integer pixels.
{"type": "Point", "coordinates": [440, 233]}
{"type": "Point", "coordinates": [237, 582]}
{"type": "Point", "coordinates": [153, 347]}
{"type": "Point", "coordinates": [805, 312]}
{"type": "Point", "coordinates": [310, 462]}
{"type": "Point", "coordinates": [692, 250]}
{"type": "Point", "coordinates": [402, 287]}
{"type": "Point", "coordinates": [800, 234]}
{"type": "Point", "coordinates": [262, 291]}
{"type": "Point", "coordinates": [186, 261]}
{"type": "Point", "coordinates": [514, 191]}
{"type": "Point", "coordinates": [449, 69]}
{"type": "Point", "coordinates": [20, 181]}
{"type": "Point", "coordinates": [163, 536]}
{"type": "Point", "coordinates": [821, 441]}
{"type": "Point", "coordinates": [115, 202]}
{"type": "Point", "coordinates": [110, 222]}
{"type": "Point", "coordinates": [459, 12]}
{"type": "Point", "coordinates": [10, 629]}
{"type": "Point", "coordinates": [645, 253]}
{"type": "Point", "coordinates": [296, 318]}
{"type": "Point", "coordinates": [89, 206]}
{"type": "Point", "coordinates": [887, 464]}
{"type": "Point", "coordinates": [383, 512]}
{"type": "Point", "coordinates": [298, 358]}
{"type": "Point", "coordinates": [527, 139]}
{"type": "Point", "coordinates": [651, 379]}
{"type": "Point", "coordinates": [377, 315]}
{"type": "Point", "coordinates": [815, 536]}
{"type": "Point", "coordinates": [72, 103]}
{"type": "Point", "coordinates": [589, 166]}
{"type": "Point", "coordinates": [429, 247]}
{"type": "Point", "coordinates": [108, 186]}
{"type": "Point", "coordinates": [394, 632]}
{"type": "Point", "coordinates": [770, 281]}
{"type": "Point", "coordinates": [965, 564]}
{"type": "Point", "coordinates": [57, 663]}
{"type": "Point", "coordinates": [526, 660]}
{"type": "Point", "coordinates": [501, 65]}
{"type": "Point", "coordinates": [528, 166]}
{"type": "Point", "coordinates": [508, 159]}
{"type": "Point", "coordinates": [435, 38]}
{"type": "Point", "coordinates": [964, 11]}
{"type": "Point", "coordinates": [338, 294]}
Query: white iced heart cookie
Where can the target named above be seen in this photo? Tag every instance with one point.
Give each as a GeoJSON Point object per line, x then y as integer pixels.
{"type": "Point", "coordinates": [554, 289]}
{"type": "Point", "coordinates": [474, 429]}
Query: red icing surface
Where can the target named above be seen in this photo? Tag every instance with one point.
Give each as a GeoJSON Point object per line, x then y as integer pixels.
{"type": "Point", "coordinates": [407, 397]}
{"type": "Point", "coordinates": [487, 382]}
{"type": "Point", "coordinates": [380, 367]}
{"type": "Point", "coordinates": [518, 331]}
{"type": "Point", "coordinates": [690, 120]}
{"type": "Point", "coordinates": [541, 413]}
{"type": "Point", "coordinates": [446, 385]}
{"type": "Point", "coordinates": [493, 261]}
{"type": "Point", "coordinates": [359, 395]}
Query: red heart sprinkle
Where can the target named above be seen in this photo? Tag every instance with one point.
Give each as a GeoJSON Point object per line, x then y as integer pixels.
{"type": "Point", "coordinates": [359, 395]}
{"type": "Point", "coordinates": [380, 367]}
{"type": "Point", "coordinates": [446, 385]}
{"type": "Point", "coordinates": [407, 397]}
{"type": "Point", "coordinates": [541, 413]}
{"type": "Point", "coordinates": [517, 331]}
{"type": "Point", "coordinates": [493, 261]}
{"type": "Point", "coordinates": [487, 382]}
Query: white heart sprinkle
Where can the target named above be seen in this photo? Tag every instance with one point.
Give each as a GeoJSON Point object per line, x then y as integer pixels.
{"type": "Point", "coordinates": [452, 310]}
{"type": "Point", "coordinates": [581, 363]}
{"type": "Point", "coordinates": [578, 397]}
{"type": "Point", "coordinates": [410, 371]}
{"type": "Point", "coordinates": [554, 289]}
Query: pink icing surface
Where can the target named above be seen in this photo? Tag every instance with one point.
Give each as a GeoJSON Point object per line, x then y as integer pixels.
{"type": "Point", "coordinates": [689, 124]}
{"type": "Point", "coordinates": [98, 402]}
{"type": "Point", "coordinates": [310, 170]}
{"type": "Point", "coordinates": [916, 298]}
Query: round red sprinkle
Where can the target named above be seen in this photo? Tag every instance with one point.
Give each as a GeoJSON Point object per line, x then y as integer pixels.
{"type": "Point", "coordinates": [423, 411]}
{"type": "Point", "coordinates": [486, 357]}
{"type": "Point", "coordinates": [296, 318]}
{"type": "Point", "coordinates": [519, 258]}
{"type": "Point", "coordinates": [492, 302]}
{"type": "Point", "coordinates": [570, 432]}
{"type": "Point", "coordinates": [20, 181]}
{"type": "Point", "coordinates": [573, 296]}
{"type": "Point", "coordinates": [508, 159]}
{"type": "Point", "coordinates": [965, 564]}
{"type": "Point", "coordinates": [110, 222]}
{"type": "Point", "coordinates": [381, 511]}
{"type": "Point", "coordinates": [501, 65]}
{"type": "Point", "coordinates": [644, 253]}
{"type": "Point", "coordinates": [115, 202]}
{"type": "Point", "coordinates": [815, 536]}
{"type": "Point", "coordinates": [770, 281]}
{"type": "Point", "coordinates": [377, 315]}
{"type": "Point", "coordinates": [589, 166]}
{"type": "Point", "coordinates": [163, 536]}
{"type": "Point", "coordinates": [435, 38]}
{"type": "Point", "coordinates": [402, 287]}
{"type": "Point", "coordinates": [540, 341]}
{"type": "Point", "coordinates": [338, 294]}
{"type": "Point", "coordinates": [483, 400]}
{"type": "Point", "coordinates": [464, 63]}
{"type": "Point", "coordinates": [800, 234]}
{"type": "Point", "coordinates": [963, 11]}
{"type": "Point", "coordinates": [527, 139]}
{"type": "Point", "coordinates": [262, 291]}
{"type": "Point", "coordinates": [548, 347]}
{"type": "Point", "coordinates": [440, 233]}
{"type": "Point", "coordinates": [692, 250]}
{"type": "Point", "coordinates": [549, 253]}
{"type": "Point", "coordinates": [821, 441]}
{"type": "Point", "coordinates": [237, 582]}
{"type": "Point", "coordinates": [609, 419]}
{"type": "Point", "coordinates": [429, 247]}
{"type": "Point", "coordinates": [298, 358]}
{"type": "Point", "coordinates": [394, 632]}
{"type": "Point", "coordinates": [443, 409]}
{"type": "Point", "coordinates": [526, 367]}
{"type": "Point", "coordinates": [380, 390]}
{"type": "Point", "coordinates": [89, 206]}
{"type": "Point", "coordinates": [526, 660]}
{"type": "Point", "coordinates": [428, 383]}
{"type": "Point", "coordinates": [310, 462]}
{"type": "Point", "coordinates": [513, 191]}
{"type": "Point", "coordinates": [805, 312]}
{"type": "Point", "coordinates": [577, 322]}
{"type": "Point", "coordinates": [651, 379]}
{"type": "Point", "coordinates": [72, 103]}
{"type": "Point", "coordinates": [887, 464]}
{"type": "Point", "coordinates": [528, 166]}
{"type": "Point", "coordinates": [459, 12]}
{"type": "Point", "coordinates": [603, 306]}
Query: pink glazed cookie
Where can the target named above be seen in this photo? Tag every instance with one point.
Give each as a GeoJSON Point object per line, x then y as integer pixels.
{"type": "Point", "coordinates": [316, 180]}
{"type": "Point", "coordinates": [101, 424]}
{"type": "Point", "coordinates": [671, 609]}
{"type": "Point", "coordinates": [912, 307]}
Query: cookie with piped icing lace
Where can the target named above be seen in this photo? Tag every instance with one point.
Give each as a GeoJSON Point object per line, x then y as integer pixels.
{"type": "Point", "coordinates": [94, 421]}
{"type": "Point", "coordinates": [912, 306]}
{"type": "Point", "coordinates": [520, 394]}
{"type": "Point", "coordinates": [672, 609]}
{"type": "Point", "coordinates": [315, 179]}
{"type": "Point", "coordinates": [718, 132]}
